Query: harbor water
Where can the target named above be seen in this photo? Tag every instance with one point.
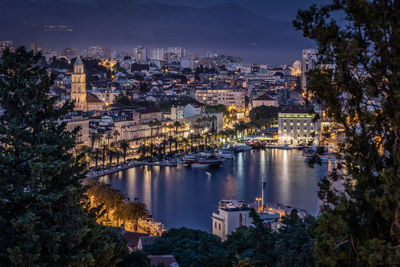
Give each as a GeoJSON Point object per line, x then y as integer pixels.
{"type": "Point", "coordinates": [181, 196]}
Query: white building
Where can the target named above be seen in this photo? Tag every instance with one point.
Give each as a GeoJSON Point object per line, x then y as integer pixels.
{"type": "Point", "coordinates": [264, 100]}
{"type": "Point", "coordinates": [231, 215]}
{"type": "Point", "coordinates": [158, 54]}
{"type": "Point", "coordinates": [187, 63]}
{"type": "Point", "coordinates": [140, 53]}
{"type": "Point", "coordinates": [308, 62]}
{"type": "Point", "coordinates": [106, 95]}
{"type": "Point", "coordinates": [295, 69]}
{"type": "Point", "coordinates": [227, 97]}
{"type": "Point", "coordinates": [296, 127]}
{"type": "Point", "coordinates": [178, 51]}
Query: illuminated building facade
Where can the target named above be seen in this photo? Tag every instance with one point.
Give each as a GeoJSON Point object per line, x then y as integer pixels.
{"type": "Point", "coordinates": [140, 53]}
{"type": "Point", "coordinates": [227, 97]}
{"type": "Point", "coordinates": [296, 127]}
{"type": "Point", "coordinates": [83, 100]}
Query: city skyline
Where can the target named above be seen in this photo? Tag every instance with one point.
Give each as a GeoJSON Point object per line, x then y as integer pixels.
{"type": "Point", "coordinates": [259, 32]}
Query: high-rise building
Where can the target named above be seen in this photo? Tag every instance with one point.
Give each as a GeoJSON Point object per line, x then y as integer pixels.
{"type": "Point", "coordinates": [98, 52]}
{"type": "Point", "coordinates": [69, 52]}
{"type": "Point", "coordinates": [78, 86]}
{"type": "Point", "coordinates": [308, 62]}
{"type": "Point", "coordinates": [295, 69]}
{"type": "Point", "coordinates": [178, 51]}
{"type": "Point", "coordinates": [158, 54]}
{"type": "Point", "coordinates": [140, 53]}
{"type": "Point", "coordinates": [36, 47]}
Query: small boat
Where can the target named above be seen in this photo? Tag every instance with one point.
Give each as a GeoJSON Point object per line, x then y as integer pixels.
{"type": "Point", "coordinates": [324, 155]}
{"type": "Point", "coordinates": [169, 163]}
{"type": "Point", "coordinates": [226, 154]}
{"type": "Point", "coordinates": [242, 148]}
{"type": "Point", "coordinates": [210, 162]}
{"type": "Point", "coordinates": [256, 145]}
{"type": "Point", "coordinates": [190, 159]}
{"type": "Point", "coordinates": [205, 154]}
{"type": "Point", "coordinates": [285, 147]}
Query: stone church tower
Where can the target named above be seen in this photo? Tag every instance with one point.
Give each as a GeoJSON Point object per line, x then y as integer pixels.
{"type": "Point", "coordinates": [78, 86]}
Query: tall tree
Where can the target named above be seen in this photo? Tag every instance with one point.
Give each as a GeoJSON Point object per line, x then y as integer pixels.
{"type": "Point", "coordinates": [116, 134]}
{"type": "Point", "coordinates": [263, 116]}
{"type": "Point", "coordinates": [45, 218]}
{"type": "Point", "coordinates": [124, 145]}
{"type": "Point", "coordinates": [359, 224]}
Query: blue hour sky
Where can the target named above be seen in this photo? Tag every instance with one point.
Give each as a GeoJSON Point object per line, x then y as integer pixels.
{"type": "Point", "coordinates": [257, 30]}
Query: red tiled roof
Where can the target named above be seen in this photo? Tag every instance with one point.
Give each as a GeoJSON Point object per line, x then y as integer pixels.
{"type": "Point", "coordinates": [155, 260]}
{"type": "Point", "coordinates": [92, 98]}
{"type": "Point", "coordinates": [132, 238]}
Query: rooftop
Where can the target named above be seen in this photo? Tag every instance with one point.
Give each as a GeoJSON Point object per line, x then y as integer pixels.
{"type": "Point", "coordinates": [92, 98]}
{"type": "Point", "coordinates": [264, 97]}
{"type": "Point", "coordinates": [303, 110]}
{"type": "Point", "coordinates": [163, 260]}
{"type": "Point", "coordinates": [233, 205]}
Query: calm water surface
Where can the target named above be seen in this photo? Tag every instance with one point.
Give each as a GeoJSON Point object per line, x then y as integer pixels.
{"type": "Point", "coordinates": [181, 196]}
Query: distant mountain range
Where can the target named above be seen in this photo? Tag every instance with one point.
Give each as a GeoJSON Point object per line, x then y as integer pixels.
{"type": "Point", "coordinates": [122, 24]}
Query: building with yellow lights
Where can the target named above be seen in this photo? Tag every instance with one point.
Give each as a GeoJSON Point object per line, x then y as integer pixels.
{"type": "Point", "coordinates": [297, 127]}
{"type": "Point", "coordinates": [227, 97]}
{"type": "Point", "coordinates": [83, 100]}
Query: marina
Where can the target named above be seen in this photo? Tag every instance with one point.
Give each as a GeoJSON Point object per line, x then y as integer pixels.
{"type": "Point", "coordinates": [182, 196]}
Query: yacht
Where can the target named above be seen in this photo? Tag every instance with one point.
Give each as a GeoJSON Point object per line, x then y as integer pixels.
{"type": "Point", "coordinates": [210, 162]}
{"type": "Point", "coordinates": [226, 154]}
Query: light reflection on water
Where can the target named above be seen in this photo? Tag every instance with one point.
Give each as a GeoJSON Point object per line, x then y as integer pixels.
{"type": "Point", "coordinates": [180, 196]}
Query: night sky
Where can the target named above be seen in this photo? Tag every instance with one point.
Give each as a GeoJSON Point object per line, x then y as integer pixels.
{"type": "Point", "coordinates": [258, 30]}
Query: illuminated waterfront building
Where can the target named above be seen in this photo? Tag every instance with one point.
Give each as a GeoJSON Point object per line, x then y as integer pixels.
{"type": "Point", "coordinates": [296, 127]}
{"type": "Point", "coordinates": [231, 215]}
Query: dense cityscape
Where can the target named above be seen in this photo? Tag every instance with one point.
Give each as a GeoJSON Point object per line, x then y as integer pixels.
{"type": "Point", "coordinates": [169, 156]}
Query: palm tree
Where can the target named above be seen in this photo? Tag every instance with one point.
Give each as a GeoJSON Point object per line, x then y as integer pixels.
{"type": "Point", "coordinates": [99, 138]}
{"type": "Point", "coordinates": [96, 155]}
{"type": "Point", "coordinates": [109, 137]}
{"type": "Point", "coordinates": [153, 124]}
{"type": "Point", "coordinates": [177, 140]}
{"type": "Point", "coordinates": [107, 196]}
{"type": "Point", "coordinates": [132, 211]}
{"type": "Point", "coordinates": [110, 153]}
{"type": "Point", "coordinates": [117, 154]}
{"type": "Point", "coordinates": [93, 138]}
{"type": "Point", "coordinates": [116, 134]}
{"type": "Point", "coordinates": [177, 126]}
{"type": "Point", "coordinates": [185, 142]}
{"type": "Point", "coordinates": [104, 149]}
{"type": "Point", "coordinates": [164, 144]}
{"type": "Point", "coordinates": [124, 145]}
{"type": "Point", "coordinates": [143, 150]}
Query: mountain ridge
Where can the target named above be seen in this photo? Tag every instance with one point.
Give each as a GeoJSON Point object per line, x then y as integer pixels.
{"type": "Point", "coordinates": [124, 24]}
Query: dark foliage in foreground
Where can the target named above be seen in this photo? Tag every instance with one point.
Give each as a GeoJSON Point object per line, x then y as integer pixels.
{"type": "Point", "coordinates": [45, 218]}
{"type": "Point", "coordinates": [292, 245]}
{"type": "Point", "coordinates": [358, 83]}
